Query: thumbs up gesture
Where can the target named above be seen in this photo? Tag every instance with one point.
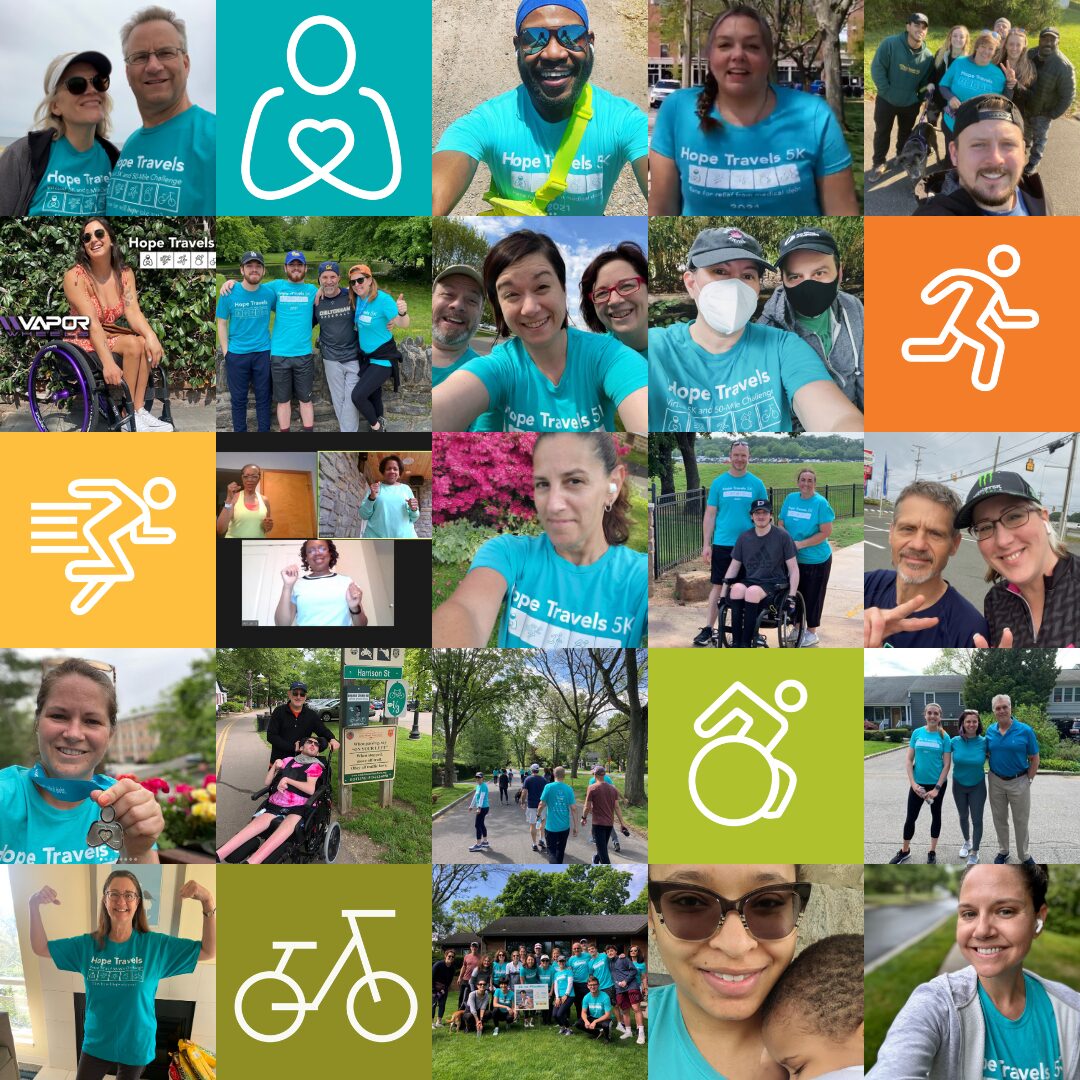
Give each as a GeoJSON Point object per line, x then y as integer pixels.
{"type": "Point", "coordinates": [402, 307]}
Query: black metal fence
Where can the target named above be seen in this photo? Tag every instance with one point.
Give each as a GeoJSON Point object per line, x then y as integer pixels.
{"type": "Point", "coordinates": [678, 517]}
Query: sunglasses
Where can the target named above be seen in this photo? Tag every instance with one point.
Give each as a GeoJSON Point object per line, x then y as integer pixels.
{"type": "Point", "coordinates": [691, 913]}
{"type": "Point", "coordinates": [98, 234]}
{"type": "Point", "coordinates": [298, 693]}
{"type": "Point", "coordinates": [626, 287]}
{"type": "Point", "coordinates": [358, 280]}
{"type": "Point", "coordinates": [77, 84]}
{"type": "Point", "coordinates": [534, 39]}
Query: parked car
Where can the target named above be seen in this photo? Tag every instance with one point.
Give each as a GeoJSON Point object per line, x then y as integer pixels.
{"type": "Point", "coordinates": [660, 90]}
{"type": "Point", "coordinates": [1074, 730]}
{"type": "Point", "coordinates": [376, 703]}
{"type": "Point", "coordinates": [818, 87]}
{"type": "Point", "coordinates": [327, 708]}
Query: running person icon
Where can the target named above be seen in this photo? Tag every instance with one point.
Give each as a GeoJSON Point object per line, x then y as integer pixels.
{"type": "Point", "coordinates": [996, 311]}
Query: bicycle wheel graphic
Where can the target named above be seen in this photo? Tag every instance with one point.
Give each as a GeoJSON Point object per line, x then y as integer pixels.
{"type": "Point", "coordinates": [298, 1005]}
{"type": "Point", "coordinates": [373, 977]}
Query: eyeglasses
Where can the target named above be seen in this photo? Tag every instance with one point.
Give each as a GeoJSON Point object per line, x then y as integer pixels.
{"type": "Point", "coordinates": [115, 897]}
{"type": "Point", "coordinates": [1011, 519]}
{"type": "Point", "coordinates": [358, 280]}
{"type": "Point", "coordinates": [534, 39]}
{"type": "Point", "coordinates": [626, 287]}
{"type": "Point", "coordinates": [98, 234]}
{"type": "Point", "coordinates": [691, 913]}
{"type": "Point", "coordinates": [78, 84]}
{"type": "Point", "coordinates": [141, 59]}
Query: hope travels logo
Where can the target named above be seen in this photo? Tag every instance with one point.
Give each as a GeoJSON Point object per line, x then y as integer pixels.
{"type": "Point", "coordinates": [737, 722]}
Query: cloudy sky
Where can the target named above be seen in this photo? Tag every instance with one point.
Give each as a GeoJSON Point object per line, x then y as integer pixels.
{"type": "Point", "coordinates": [580, 240]}
{"type": "Point", "coordinates": [916, 661]}
{"type": "Point", "coordinates": [969, 453]}
{"type": "Point", "coordinates": [141, 674]}
{"type": "Point", "coordinates": [34, 35]}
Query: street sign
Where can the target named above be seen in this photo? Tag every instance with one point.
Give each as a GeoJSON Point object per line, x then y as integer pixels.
{"type": "Point", "coordinates": [368, 753]}
{"type": "Point", "coordinates": [373, 663]}
{"type": "Point", "coordinates": [396, 696]}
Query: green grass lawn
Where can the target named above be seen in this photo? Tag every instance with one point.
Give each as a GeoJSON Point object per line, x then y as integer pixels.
{"type": "Point", "coordinates": [635, 816]}
{"type": "Point", "coordinates": [541, 1052]}
{"type": "Point", "coordinates": [871, 748]}
{"type": "Point", "coordinates": [448, 795]}
{"type": "Point", "coordinates": [771, 474]}
{"type": "Point", "coordinates": [847, 531]}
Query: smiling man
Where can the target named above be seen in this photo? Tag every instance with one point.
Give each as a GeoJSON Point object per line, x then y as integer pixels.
{"type": "Point", "coordinates": [556, 144]}
{"type": "Point", "coordinates": [913, 606]}
{"type": "Point", "coordinates": [167, 166]}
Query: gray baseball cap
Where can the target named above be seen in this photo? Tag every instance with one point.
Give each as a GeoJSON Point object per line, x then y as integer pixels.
{"type": "Point", "coordinates": [712, 246]}
{"type": "Point", "coordinates": [459, 268]}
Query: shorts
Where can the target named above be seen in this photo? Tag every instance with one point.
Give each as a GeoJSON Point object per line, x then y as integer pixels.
{"type": "Point", "coordinates": [292, 375]}
{"type": "Point", "coordinates": [625, 998]}
{"type": "Point", "coordinates": [770, 585]}
{"type": "Point", "coordinates": [721, 559]}
{"type": "Point", "coordinates": [532, 815]}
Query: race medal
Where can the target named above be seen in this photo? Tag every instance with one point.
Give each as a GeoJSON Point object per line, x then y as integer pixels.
{"type": "Point", "coordinates": [106, 830]}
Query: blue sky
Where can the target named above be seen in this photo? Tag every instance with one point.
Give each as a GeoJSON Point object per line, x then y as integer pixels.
{"type": "Point", "coordinates": [580, 240]}
{"type": "Point", "coordinates": [639, 875]}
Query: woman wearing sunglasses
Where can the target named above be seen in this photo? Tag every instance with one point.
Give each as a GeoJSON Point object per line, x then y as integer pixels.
{"type": "Point", "coordinates": [375, 314]}
{"type": "Point", "coordinates": [1035, 598]}
{"type": "Point", "coordinates": [63, 167]}
{"type": "Point", "coordinates": [615, 296]}
{"type": "Point", "coordinates": [121, 963]}
{"type": "Point", "coordinates": [547, 376]}
{"type": "Point", "coordinates": [725, 934]}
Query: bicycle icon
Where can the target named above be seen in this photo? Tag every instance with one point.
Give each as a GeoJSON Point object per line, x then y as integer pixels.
{"type": "Point", "coordinates": [302, 1006]}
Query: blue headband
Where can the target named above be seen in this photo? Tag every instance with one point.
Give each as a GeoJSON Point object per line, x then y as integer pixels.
{"type": "Point", "coordinates": [527, 7]}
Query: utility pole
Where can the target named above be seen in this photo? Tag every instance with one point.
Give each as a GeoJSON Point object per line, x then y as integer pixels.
{"type": "Point", "coordinates": [1063, 525]}
{"type": "Point", "coordinates": [918, 458]}
{"type": "Point", "coordinates": [997, 450]}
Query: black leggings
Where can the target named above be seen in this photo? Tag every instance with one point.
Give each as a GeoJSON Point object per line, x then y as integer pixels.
{"type": "Point", "coordinates": [93, 1068]}
{"type": "Point", "coordinates": [481, 828]}
{"type": "Point", "coordinates": [813, 580]}
{"type": "Point", "coordinates": [367, 393]}
{"type": "Point", "coordinates": [915, 803]}
{"type": "Point", "coordinates": [438, 1002]}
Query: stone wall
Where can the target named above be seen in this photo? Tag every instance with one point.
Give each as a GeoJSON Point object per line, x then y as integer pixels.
{"type": "Point", "coordinates": [341, 489]}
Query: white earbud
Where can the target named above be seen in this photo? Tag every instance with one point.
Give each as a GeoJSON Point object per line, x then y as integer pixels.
{"type": "Point", "coordinates": [613, 489]}
{"type": "Point", "coordinates": [1038, 926]}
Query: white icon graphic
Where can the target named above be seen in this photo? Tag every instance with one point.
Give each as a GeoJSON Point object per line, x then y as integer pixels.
{"type": "Point", "coordinates": [996, 311]}
{"type": "Point", "coordinates": [316, 171]}
{"type": "Point", "coordinates": [707, 727]}
{"type": "Point", "coordinates": [99, 500]}
{"type": "Point", "coordinates": [301, 1005]}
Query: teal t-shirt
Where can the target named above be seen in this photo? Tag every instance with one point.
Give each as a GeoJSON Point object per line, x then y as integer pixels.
{"type": "Point", "coordinates": [596, 1005]}
{"type": "Point", "coordinates": [75, 182]}
{"type": "Point", "coordinates": [579, 967]}
{"type": "Point", "coordinates": [600, 373]}
{"type": "Point", "coordinates": [35, 832]}
{"type": "Point", "coordinates": [769, 168]}
{"type": "Point", "coordinates": [389, 516]}
{"type": "Point", "coordinates": [558, 798]}
{"type": "Point", "coordinates": [249, 317]}
{"type": "Point", "coordinates": [969, 760]}
{"type": "Point", "coordinates": [292, 317]}
{"type": "Point", "coordinates": [371, 318]}
{"type": "Point", "coordinates": [545, 973]}
{"type": "Point", "coordinates": [504, 997]}
{"type": "Point", "coordinates": [732, 496]}
{"type": "Point", "coordinates": [121, 982]}
{"type": "Point", "coordinates": [498, 968]}
{"type": "Point", "coordinates": [804, 517]}
{"type": "Point", "coordinates": [480, 797]}
{"type": "Point", "coordinates": [748, 388]}
{"type": "Point", "coordinates": [641, 352]}
{"type": "Point", "coordinates": [1028, 1047]}
{"type": "Point", "coordinates": [601, 968]}
{"type": "Point", "coordinates": [507, 134]}
{"type": "Point", "coordinates": [929, 749]}
{"type": "Point", "coordinates": [529, 974]}
{"type": "Point", "coordinates": [489, 421]}
{"type": "Point", "coordinates": [672, 1053]}
{"type": "Point", "coordinates": [168, 169]}
{"type": "Point", "coordinates": [553, 604]}
{"type": "Point", "coordinates": [642, 968]}
{"type": "Point", "coordinates": [966, 79]}
{"type": "Point", "coordinates": [563, 982]}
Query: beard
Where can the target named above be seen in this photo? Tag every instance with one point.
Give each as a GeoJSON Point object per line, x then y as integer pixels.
{"type": "Point", "coordinates": [448, 341]}
{"type": "Point", "coordinates": [560, 107]}
{"type": "Point", "coordinates": [995, 195]}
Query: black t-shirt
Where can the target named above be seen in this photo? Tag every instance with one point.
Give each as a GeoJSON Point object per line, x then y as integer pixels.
{"type": "Point", "coordinates": [442, 975]}
{"type": "Point", "coordinates": [337, 331]}
{"type": "Point", "coordinates": [285, 729]}
{"type": "Point", "coordinates": [764, 558]}
{"type": "Point", "coordinates": [534, 787]}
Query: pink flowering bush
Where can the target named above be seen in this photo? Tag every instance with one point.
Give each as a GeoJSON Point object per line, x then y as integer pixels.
{"type": "Point", "coordinates": [190, 812]}
{"type": "Point", "coordinates": [482, 478]}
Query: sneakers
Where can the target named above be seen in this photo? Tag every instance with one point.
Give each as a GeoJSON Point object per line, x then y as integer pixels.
{"type": "Point", "coordinates": [808, 639]}
{"type": "Point", "coordinates": [973, 858]}
{"type": "Point", "coordinates": [877, 172]}
{"type": "Point", "coordinates": [484, 843]}
{"type": "Point", "coordinates": [1029, 861]}
{"type": "Point", "coordinates": [477, 847]}
{"type": "Point", "coordinates": [931, 857]}
{"type": "Point", "coordinates": [899, 857]}
{"type": "Point", "coordinates": [145, 422]}
{"type": "Point", "coordinates": [495, 1032]}
{"type": "Point", "coordinates": [641, 1036]}
{"type": "Point", "coordinates": [626, 1033]}
{"type": "Point", "coordinates": [1001, 857]}
{"type": "Point", "coordinates": [703, 638]}
{"type": "Point", "coordinates": [438, 1023]}
{"type": "Point", "coordinates": [535, 848]}
{"type": "Point", "coordinates": [615, 844]}
{"type": "Point", "coordinates": [543, 846]}
{"type": "Point", "coordinates": [965, 850]}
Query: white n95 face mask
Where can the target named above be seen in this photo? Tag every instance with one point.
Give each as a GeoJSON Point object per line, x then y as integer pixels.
{"type": "Point", "coordinates": [727, 305]}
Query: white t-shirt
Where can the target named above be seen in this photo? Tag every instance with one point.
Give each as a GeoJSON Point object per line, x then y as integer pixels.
{"type": "Point", "coordinates": [321, 601]}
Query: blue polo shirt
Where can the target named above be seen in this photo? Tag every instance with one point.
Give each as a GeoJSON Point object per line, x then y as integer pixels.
{"type": "Point", "coordinates": [1009, 753]}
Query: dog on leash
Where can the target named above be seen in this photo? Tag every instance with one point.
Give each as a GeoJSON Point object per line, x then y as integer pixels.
{"type": "Point", "coordinates": [457, 1021]}
{"type": "Point", "coordinates": [914, 156]}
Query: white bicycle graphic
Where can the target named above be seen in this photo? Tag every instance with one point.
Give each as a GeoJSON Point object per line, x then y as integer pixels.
{"type": "Point", "coordinates": [302, 1006]}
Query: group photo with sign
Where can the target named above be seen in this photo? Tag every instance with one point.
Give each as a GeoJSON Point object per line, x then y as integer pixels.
{"type": "Point", "coordinates": [325, 753]}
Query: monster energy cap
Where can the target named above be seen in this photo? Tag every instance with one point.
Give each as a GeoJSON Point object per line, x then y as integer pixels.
{"type": "Point", "coordinates": [986, 487]}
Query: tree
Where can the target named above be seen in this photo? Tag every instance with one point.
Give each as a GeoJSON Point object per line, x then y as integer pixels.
{"type": "Point", "coordinates": [951, 662]}
{"type": "Point", "coordinates": [661, 447]}
{"type": "Point", "coordinates": [448, 879]}
{"type": "Point", "coordinates": [484, 741]}
{"type": "Point", "coordinates": [19, 679]}
{"type": "Point", "coordinates": [279, 667]}
{"type": "Point", "coordinates": [454, 242]}
{"type": "Point", "coordinates": [686, 442]}
{"type": "Point", "coordinates": [474, 914]}
{"type": "Point", "coordinates": [1026, 675]}
{"type": "Point", "coordinates": [639, 905]}
{"type": "Point", "coordinates": [519, 736]}
{"type": "Point", "coordinates": [417, 675]}
{"type": "Point", "coordinates": [577, 890]}
{"type": "Point", "coordinates": [624, 673]}
{"type": "Point", "coordinates": [832, 14]}
{"type": "Point", "coordinates": [185, 718]}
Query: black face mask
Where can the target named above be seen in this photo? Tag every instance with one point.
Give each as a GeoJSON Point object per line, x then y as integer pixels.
{"type": "Point", "coordinates": [811, 298]}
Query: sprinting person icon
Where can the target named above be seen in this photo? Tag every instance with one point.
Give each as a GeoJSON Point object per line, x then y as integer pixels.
{"type": "Point", "coordinates": [996, 311]}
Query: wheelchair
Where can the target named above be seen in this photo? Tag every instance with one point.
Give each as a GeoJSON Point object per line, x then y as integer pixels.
{"type": "Point", "coordinates": [68, 392]}
{"type": "Point", "coordinates": [316, 837]}
{"type": "Point", "coordinates": [771, 616]}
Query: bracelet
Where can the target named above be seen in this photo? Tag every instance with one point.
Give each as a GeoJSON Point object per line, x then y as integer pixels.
{"type": "Point", "coordinates": [228, 506]}
{"type": "Point", "coordinates": [357, 611]}
{"type": "Point", "coordinates": [210, 914]}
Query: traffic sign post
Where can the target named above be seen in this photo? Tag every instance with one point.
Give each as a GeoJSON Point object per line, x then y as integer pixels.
{"type": "Point", "coordinates": [373, 663]}
{"type": "Point", "coordinates": [396, 696]}
{"type": "Point", "coordinates": [369, 752]}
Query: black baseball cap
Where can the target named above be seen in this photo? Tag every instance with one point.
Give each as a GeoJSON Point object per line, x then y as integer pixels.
{"type": "Point", "coordinates": [918, 16]}
{"type": "Point", "coordinates": [986, 487]}
{"type": "Point", "coordinates": [712, 246]}
{"type": "Point", "coordinates": [760, 504]}
{"type": "Point", "coordinates": [985, 107]}
{"type": "Point", "coordinates": [298, 686]}
{"type": "Point", "coordinates": [252, 256]}
{"type": "Point", "coordinates": [1046, 31]}
{"type": "Point", "coordinates": [808, 240]}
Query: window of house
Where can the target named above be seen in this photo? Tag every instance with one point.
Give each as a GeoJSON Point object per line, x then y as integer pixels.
{"type": "Point", "coordinates": [1059, 695]}
{"type": "Point", "coordinates": [12, 983]}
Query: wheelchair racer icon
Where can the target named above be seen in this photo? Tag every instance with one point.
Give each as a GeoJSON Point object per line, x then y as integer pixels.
{"type": "Point", "coordinates": [707, 725]}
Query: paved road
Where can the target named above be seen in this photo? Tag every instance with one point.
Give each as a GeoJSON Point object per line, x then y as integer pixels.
{"type": "Point", "coordinates": [1055, 809]}
{"type": "Point", "coordinates": [187, 417]}
{"type": "Point", "coordinates": [453, 833]}
{"type": "Point", "coordinates": [887, 927]}
{"type": "Point", "coordinates": [895, 193]}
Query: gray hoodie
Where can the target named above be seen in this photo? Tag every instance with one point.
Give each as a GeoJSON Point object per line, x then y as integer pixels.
{"type": "Point", "coordinates": [940, 1033]}
{"type": "Point", "coordinates": [845, 359]}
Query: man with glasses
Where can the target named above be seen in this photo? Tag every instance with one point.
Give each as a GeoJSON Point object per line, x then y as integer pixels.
{"type": "Point", "coordinates": [294, 721]}
{"type": "Point", "coordinates": [168, 165]}
{"type": "Point", "coordinates": [1013, 751]}
{"type": "Point", "coordinates": [243, 325]}
{"type": "Point", "coordinates": [339, 344]}
{"type": "Point", "coordinates": [913, 606]}
{"type": "Point", "coordinates": [556, 144]}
